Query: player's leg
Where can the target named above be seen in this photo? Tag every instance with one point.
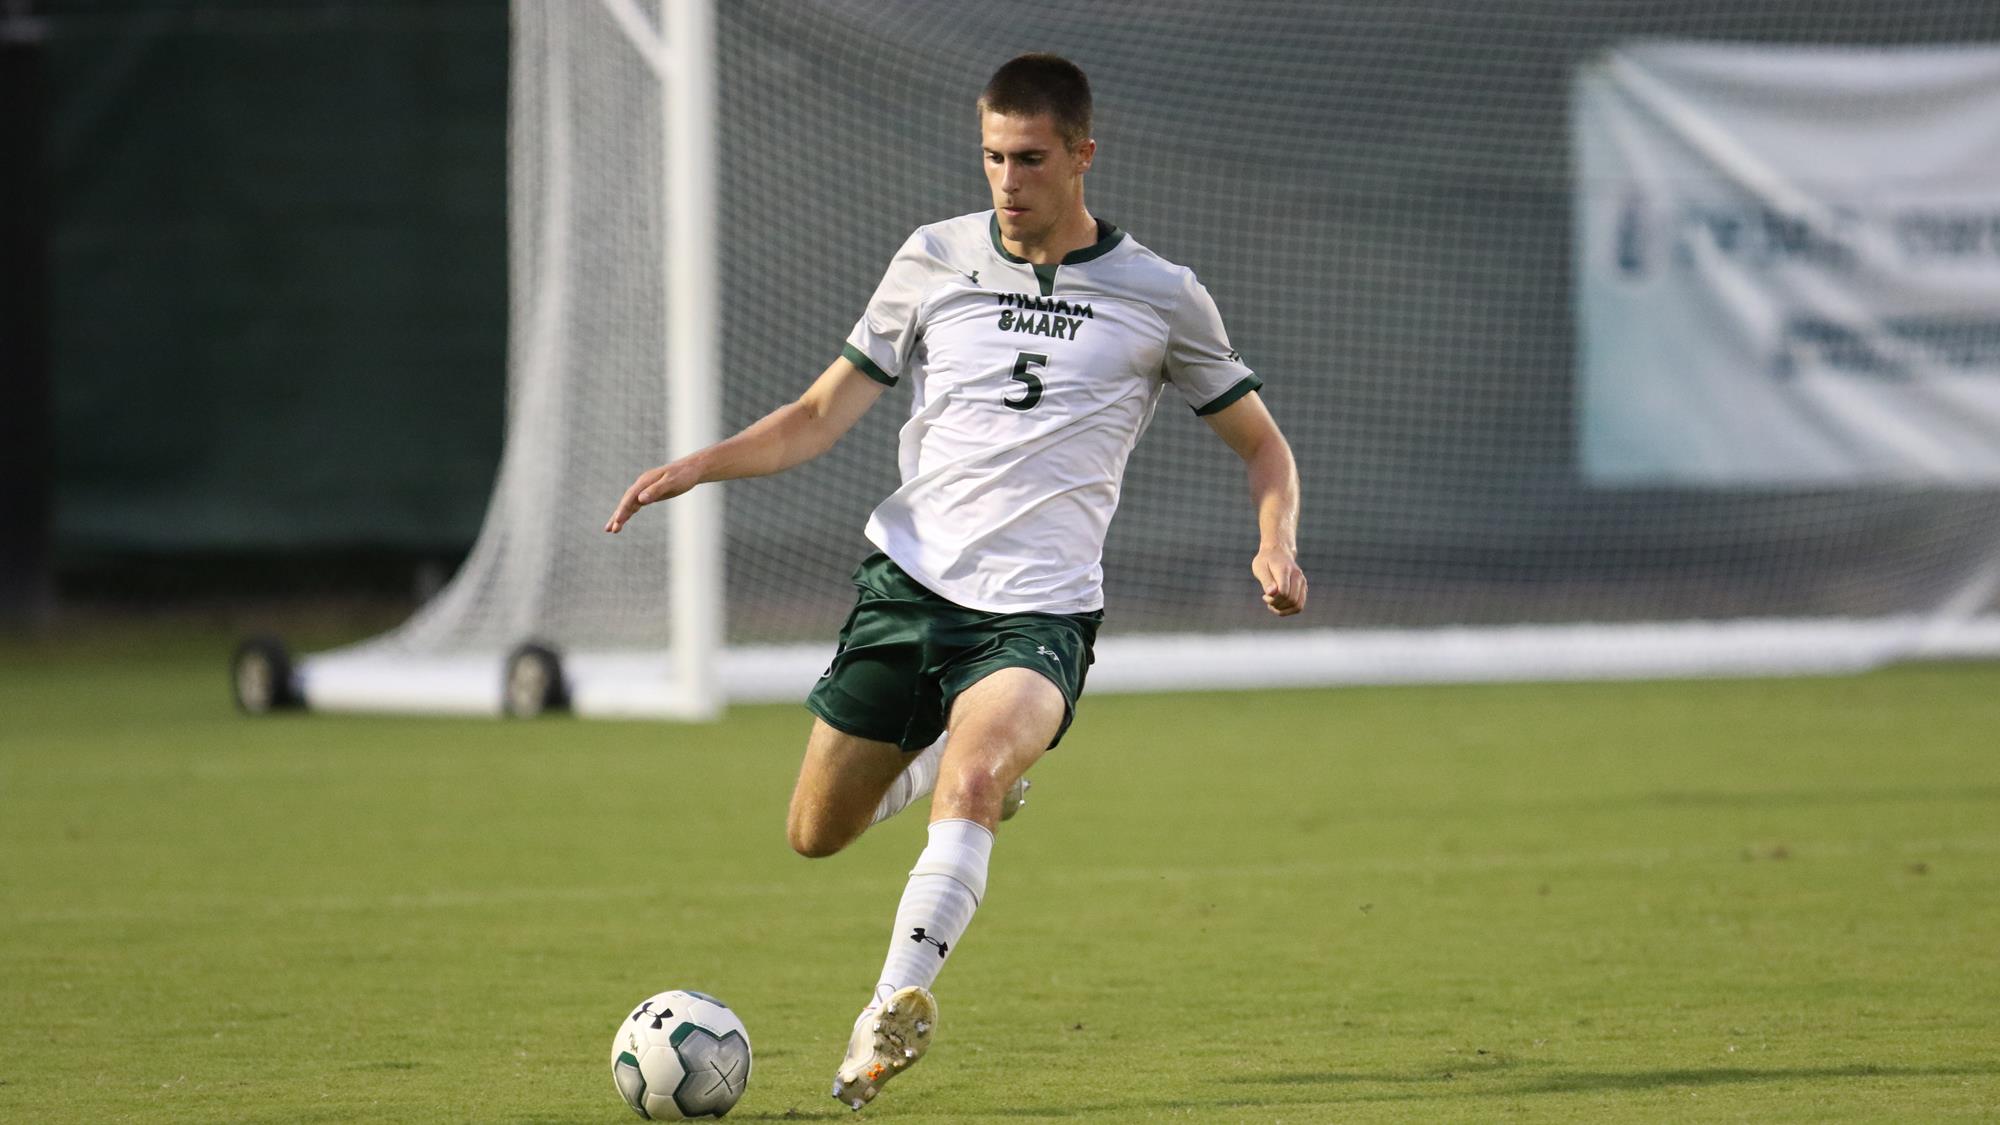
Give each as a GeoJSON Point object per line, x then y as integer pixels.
{"type": "Point", "coordinates": [914, 784]}
{"type": "Point", "coordinates": [841, 783]}
{"type": "Point", "coordinates": [920, 779]}
{"type": "Point", "coordinates": [877, 710]}
{"type": "Point", "coordinates": [1003, 724]}
{"type": "Point", "coordinates": [1000, 726]}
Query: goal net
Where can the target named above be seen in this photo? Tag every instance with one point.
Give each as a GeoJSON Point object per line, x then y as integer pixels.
{"type": "Point", "coordinates": [1388, 203]}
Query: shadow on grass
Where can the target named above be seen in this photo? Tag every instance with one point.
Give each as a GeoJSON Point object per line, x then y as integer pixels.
{"type": "Point", "coordinates": [1486, 1083]}
{"type": "Point", "coordinates": [1565, 1082]}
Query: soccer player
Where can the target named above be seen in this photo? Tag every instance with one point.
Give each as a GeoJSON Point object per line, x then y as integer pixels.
{"type": "Point", "coordinates": [1037, 340]}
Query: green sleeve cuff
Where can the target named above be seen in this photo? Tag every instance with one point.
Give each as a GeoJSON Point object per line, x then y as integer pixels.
{"type": "Point", "coordinates": [1228, 398]}
{"type": "Point", "coordinates": [860, 359]}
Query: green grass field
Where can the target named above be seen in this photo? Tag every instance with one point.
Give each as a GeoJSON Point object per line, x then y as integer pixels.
{"type": "Point", "coordinates": [1713, 901]}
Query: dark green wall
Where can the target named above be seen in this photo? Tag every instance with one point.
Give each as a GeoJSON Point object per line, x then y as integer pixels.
{"type": "Point", "coordinates": [278, 258]}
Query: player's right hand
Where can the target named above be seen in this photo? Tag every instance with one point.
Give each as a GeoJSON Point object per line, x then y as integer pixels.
{"type": "Point", "coordinates": [653, 486]}
{"type": "Point", "coordinates": [1277, 571]}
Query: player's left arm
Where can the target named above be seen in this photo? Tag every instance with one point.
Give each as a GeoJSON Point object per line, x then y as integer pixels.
{"type": "Point", "coordinates": [1274, 489]}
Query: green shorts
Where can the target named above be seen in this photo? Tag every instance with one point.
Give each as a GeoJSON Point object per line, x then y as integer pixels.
{"type": "Point", "coordinates": [905, 654]}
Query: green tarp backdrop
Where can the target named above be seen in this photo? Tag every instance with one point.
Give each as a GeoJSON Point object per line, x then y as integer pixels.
{"type": "Point", "coordinates": [277, 237]}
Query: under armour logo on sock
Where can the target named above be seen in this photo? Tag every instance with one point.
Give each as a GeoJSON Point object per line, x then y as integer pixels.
{"type": "Point", "coordinates": [919, 935]}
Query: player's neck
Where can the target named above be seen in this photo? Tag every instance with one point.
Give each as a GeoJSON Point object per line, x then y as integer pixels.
{"type": "Point", "coordinates": [1065, 238]}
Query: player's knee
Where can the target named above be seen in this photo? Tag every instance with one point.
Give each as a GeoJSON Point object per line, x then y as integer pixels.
{"type": "Point", "coordinates": [813, 838]}
{"type": "Point", "coordinates": [981, 787]}
{"type": "Point", "coordinates": [812, 844]}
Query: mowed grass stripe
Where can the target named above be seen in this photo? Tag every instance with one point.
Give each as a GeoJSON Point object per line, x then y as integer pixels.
{"type": "Point", "coordinates": [133, 908]}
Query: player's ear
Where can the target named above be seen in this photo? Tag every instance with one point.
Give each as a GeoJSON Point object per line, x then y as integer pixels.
{"type": "Point", "coordinates": [1084, 153]}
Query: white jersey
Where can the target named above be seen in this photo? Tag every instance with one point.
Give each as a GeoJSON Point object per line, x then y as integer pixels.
{"type": "Point", "coordinates": [1030, 386]}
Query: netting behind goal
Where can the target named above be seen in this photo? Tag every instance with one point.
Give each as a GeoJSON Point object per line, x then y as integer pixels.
{"type": "Point", "coordinates": [1380, 199]}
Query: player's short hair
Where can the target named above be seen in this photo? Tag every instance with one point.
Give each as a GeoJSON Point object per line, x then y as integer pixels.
{"type": "Point", "coordinates": [1033, 84]}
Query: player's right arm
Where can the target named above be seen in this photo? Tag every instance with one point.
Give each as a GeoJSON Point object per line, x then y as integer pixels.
{"type": "Point", "coordinates": [791, 435]}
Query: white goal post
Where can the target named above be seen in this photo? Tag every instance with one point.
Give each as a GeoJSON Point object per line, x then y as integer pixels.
{"type": "Point", "coordinates": [1413, 240]}
{"type": "Point", "coordinates": [674, 41]}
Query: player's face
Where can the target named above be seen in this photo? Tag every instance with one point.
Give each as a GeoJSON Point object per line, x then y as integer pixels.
{"type": "Point", "coordinates": [1037, 180]}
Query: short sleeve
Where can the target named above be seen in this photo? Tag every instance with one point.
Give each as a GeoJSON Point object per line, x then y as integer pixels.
{"type": "Point", "coordinates": [881, 341]}
{"type": "Point", "coordinates": [1200, 363]}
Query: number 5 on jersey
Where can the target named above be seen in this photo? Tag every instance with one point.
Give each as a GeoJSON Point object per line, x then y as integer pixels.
{"type": "Point", "coordinates": [1033, 393]}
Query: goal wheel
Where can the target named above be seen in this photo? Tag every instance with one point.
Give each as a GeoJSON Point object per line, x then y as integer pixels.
{"type": "Point", "coordinates": [261, 679]}
{"type": "Point", "coordinates": [534, 682]}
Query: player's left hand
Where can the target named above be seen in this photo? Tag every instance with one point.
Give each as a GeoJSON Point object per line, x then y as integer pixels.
{"type": "Point", "coordinates": [1284, 583]}
{"type": "Point", "coordinates": [654, 485]}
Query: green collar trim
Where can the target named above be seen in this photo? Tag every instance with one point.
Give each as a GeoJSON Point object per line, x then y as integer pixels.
{"type": "Point", "coordinates": [1108, 238]}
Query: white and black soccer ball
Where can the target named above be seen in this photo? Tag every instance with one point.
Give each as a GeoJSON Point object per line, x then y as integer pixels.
{"type": "Point", "coordinates": [681, 1055]}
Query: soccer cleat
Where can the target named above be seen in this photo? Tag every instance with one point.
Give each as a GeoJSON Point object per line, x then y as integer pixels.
{"type": "Point", "coordinates": [1017, 795]}
{"type": "Point", "coordinates": [886, 1042]}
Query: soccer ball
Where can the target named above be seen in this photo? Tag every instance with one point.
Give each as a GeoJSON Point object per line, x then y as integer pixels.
{"type": "Point", "coordinates": [680, 1055]}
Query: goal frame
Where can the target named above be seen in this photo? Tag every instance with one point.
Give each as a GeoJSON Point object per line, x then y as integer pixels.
{"type": "Point", "coordinates": [699, 672]}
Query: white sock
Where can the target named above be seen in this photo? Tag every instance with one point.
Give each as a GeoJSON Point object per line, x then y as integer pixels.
{"type": "Point", "coordinates": [944, 889]}
{"type": "Point", "coordinates": [915, 782]}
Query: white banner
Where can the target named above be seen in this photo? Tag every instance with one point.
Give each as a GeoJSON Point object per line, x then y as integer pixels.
{"type": "Point", "coordinates": [1787, 266]}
